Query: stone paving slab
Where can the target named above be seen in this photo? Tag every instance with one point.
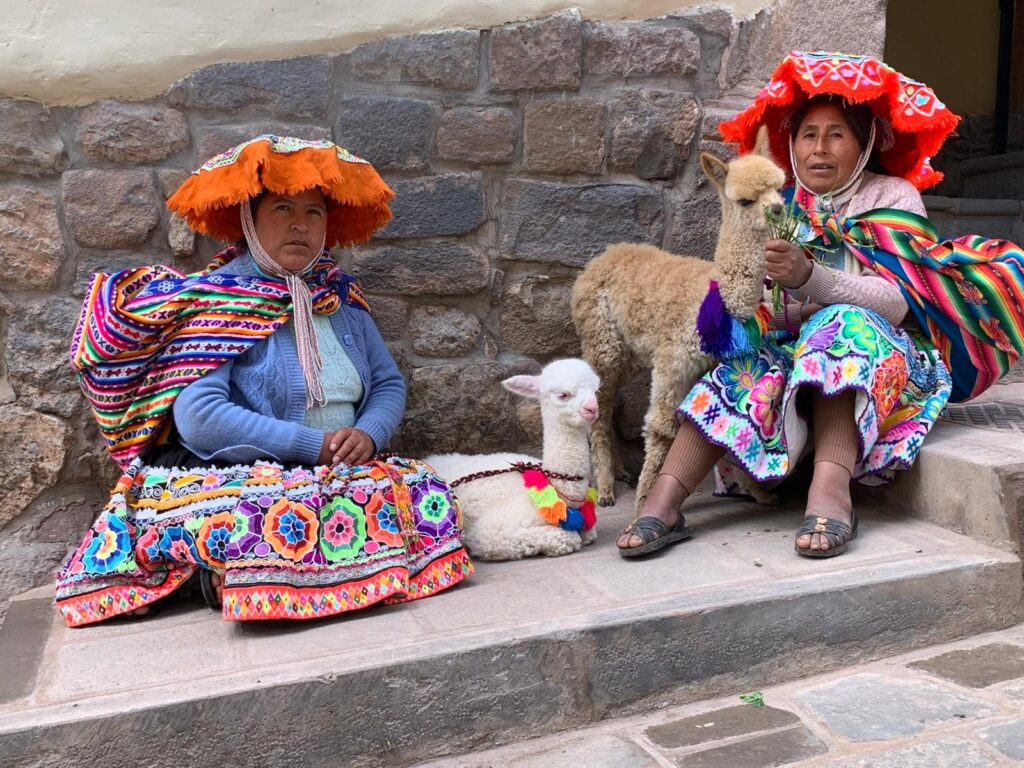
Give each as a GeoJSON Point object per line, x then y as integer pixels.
{"type": "Point", "coordinates": [522, 649]}
{"type": "Point", "coordinates": [978, 667]}
{"type": "Point", "coordinates": [803, 728]}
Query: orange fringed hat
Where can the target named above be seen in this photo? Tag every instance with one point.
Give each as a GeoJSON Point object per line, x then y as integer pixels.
{"type": "Point", "coordinates": [919, 121]}
{"type": "Point", "coordinates": [357, 196]}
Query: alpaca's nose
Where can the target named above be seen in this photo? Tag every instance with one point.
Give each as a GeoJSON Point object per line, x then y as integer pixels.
{"type": "Point", "coordinates": [589, 410]}
{"type": "Point", "coordinates": [775, 208]}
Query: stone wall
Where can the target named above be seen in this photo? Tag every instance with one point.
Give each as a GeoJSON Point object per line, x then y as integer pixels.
{"type": "Point", "coordinates": [517, 154]}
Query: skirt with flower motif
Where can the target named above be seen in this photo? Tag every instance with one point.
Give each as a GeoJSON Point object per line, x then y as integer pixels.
{"type": "Point", "coordinates": [753, 407]}
{"type": "Point", "coordinates": [294, 543]}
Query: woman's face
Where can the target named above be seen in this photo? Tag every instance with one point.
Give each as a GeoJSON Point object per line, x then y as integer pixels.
{"type": "Point", "coordinates": [826, 149]}
{"type": "Point", "coordinates": [291, 228]}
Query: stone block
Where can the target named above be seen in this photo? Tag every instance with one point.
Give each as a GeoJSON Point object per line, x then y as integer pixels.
{"type": "Point", "coordinates": [595, 751]}
{"type": "Point", "coordinates": [300, 87]}
{"type": "Point", "coordinates": [211, 140]}
{"type": "Point", "coordinates": [762, 41]}
{"type": "Point", "coordinates": [652, 132]}
{"type": "Point", "coordinates": [448, 59]}
{"type": "Point", "coordinates": [110, 209]}
{"type": "Point", "coordinates": [564, 136]}
{"type": "Point", "coordinates": [719, 724]}
{"type": "Point", "coordinates": [23, 653]}
{"type": "Point", "coordinates": [130, 133]}
{"type": "Point", "coordinates": [1008, 738]}
{"type": "Point", "coordinates": [443, 331]}
{"type": "Point", "coordinates": [435, 206]}
{"type": "Point", "coordinates": [440, 268]}
{"type": "Point", "coordinates": [32, 461]}
{"type": "Point", "coordinates": [631, 404]}
{"type": "Point", "coordinates": [458, 408]}
{"type": "Point", "coordinates": [631, 49]}
{"type": "Point", "coordinates": [29, 143]}
{"type": "Point", "coordinates": [390, 315]}
{"type": "Point", "coordinates": [953, 753]}
{"type": "Point", "coordinates": [977, 667]}
{"type": "Point", "coordinates": [37, 355]}
{"type": "Point", "coordinates": [530, 421]}
{"type": "Point", "coordinates": [868, 707]}
{"type": "Point", "coordinates": [696, 217]}
{"type": "Point", "coordinates": [180, 237]}
{"type": "Point", "coordinates": [170, 179]}
{"type": "Point", "coordinates": [391, 132]}
{"type": "Point", "coordinates": [539, 55]}
{"type": "Point", "coordinates": [768, 751]}
{"type": "Point", "coordinates": [536, 318]}
{"type": "Point", "coordinates": [568, 224]}
{"type": "Point", "coordinates": [31, 244]}
{"type": "Point", "coordinates": [711, 19]}
{"type": "Point", "coordinates": [481, 135]}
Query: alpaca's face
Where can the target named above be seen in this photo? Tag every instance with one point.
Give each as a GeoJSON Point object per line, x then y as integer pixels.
{"type": "Point", "coordinates": [566, 389]}
{"type": "Point", "coordinates": [751, 185]}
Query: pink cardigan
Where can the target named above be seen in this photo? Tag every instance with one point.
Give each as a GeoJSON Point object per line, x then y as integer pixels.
{"type": "Point", "coordinates": [856, 284]}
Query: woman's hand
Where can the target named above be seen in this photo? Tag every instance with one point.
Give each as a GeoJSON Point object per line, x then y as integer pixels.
{"type": "Point", "coordinates": [346, 446]}
{"type": "Point", "coordinates": [786, 263]}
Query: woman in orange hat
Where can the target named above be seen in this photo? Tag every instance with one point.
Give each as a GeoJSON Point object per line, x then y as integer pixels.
{"type": "Point", "coordinates": [880, 323]}
{"type": "Point", "coordinates": [246, 404]}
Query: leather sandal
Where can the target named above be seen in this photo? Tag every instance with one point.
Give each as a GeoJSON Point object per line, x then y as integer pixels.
{"type": "Point", "coordinates": [208, 590]}
{"type": "Point", "coordinates": [837, 533]}
{"type": "Point", "coordinates": [654, 534]}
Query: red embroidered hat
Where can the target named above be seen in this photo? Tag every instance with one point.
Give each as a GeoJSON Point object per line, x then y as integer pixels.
{"type": "Point", "coordinates": [920, 122]}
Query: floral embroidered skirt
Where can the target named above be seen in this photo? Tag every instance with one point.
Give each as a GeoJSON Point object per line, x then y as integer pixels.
{"type": "Point", "coordinates": [752, 405]}
{"type": "Point", "coordinates": [293, 543]}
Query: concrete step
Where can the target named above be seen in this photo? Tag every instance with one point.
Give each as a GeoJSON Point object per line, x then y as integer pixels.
{"type": "Point", "coordinates": [997, 176]}
{"type": "Point", "coordinates": [993, 218]}
{"type": "Point", "coordinates": [969, 475]}
{"type": "Point", "coordinates": [521, 650]}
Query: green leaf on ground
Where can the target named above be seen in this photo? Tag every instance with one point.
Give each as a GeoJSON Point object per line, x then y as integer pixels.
{"type": "Point", "coordinates": [755, 699]}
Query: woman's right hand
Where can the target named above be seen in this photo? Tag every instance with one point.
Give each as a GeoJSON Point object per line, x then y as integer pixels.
{"type": "Point", "coordinates": [786, 263]}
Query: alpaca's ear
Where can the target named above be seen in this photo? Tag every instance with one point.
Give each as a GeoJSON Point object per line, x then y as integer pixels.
{"type": "Point", "coordinates": [714, 168]}
{"type": "Point", "coordinates": [762, 146]}
{"type": "Point", "coordinates": [527, 386]}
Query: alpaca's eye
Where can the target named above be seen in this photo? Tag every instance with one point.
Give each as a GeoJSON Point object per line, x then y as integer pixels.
{"type": "Point", "coordinates": [744, 202]}
{"type": "Point", "coordinates": [564, 395]}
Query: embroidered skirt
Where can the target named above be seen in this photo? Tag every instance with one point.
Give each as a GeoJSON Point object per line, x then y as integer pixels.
{"type": "Point", "coordinates": [753, 407]}
{"type": "Point", "coordinates": [294, 543]}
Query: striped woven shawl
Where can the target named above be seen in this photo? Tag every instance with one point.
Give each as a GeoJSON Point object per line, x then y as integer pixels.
{"type": "Point", "coordinates": [967, 294]}
{"type": "Point", "coordinates": [145, 334]}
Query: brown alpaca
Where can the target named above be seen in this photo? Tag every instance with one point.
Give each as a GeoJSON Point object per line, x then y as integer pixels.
{"type": "Point", "coordinates": [637, 305]}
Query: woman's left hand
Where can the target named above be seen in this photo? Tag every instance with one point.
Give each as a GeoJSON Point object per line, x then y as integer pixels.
{"type": "Point", "coordinates": [786, 263]}
{"type": "Point", "coordinates": [351, 446]}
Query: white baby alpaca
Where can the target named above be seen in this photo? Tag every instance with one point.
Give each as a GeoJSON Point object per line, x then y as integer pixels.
{"type": "Point", "coordinates": [500, 522]}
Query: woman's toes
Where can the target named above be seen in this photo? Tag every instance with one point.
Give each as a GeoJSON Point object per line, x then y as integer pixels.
{"type": "Point", "coordinates": [803, 541]}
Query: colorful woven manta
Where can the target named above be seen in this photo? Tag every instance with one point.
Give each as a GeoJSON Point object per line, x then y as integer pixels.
{"type": "Point", "coordinates": [967, 294]}
{"type": "Point", "coordinates": [145, 334]}
{"type": "Point", "coordinates": [553, 508]}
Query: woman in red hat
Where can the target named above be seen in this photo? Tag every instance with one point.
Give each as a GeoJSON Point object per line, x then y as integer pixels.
{"type": "Point", "coordinates": [880, 325]}
{"type": "Point", "coordinates": [245, 405]}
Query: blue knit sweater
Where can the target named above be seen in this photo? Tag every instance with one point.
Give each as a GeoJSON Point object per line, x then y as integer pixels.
{"type": "Point", "coordinates": [252, 407]}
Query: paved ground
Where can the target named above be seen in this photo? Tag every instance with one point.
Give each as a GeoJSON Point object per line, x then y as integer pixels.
{"type": "Point", "coordinates": [959, 705]}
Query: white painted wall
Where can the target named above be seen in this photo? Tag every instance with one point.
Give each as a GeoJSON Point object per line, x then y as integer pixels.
{"type": "Point", "coordinates": [77, 51]}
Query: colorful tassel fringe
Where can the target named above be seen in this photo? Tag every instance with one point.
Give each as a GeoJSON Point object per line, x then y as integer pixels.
{"type": "Point", "coordinates": [722, 336]}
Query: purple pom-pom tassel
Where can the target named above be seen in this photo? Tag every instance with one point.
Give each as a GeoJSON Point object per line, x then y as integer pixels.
{"type": "Point", "coordinates": [714, 324]}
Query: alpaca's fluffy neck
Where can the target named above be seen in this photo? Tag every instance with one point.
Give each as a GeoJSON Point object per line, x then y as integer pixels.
{"type": "Point", "coordinates": [567, 451]}
{"type": "Point", "coordinates": [739, 268]}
